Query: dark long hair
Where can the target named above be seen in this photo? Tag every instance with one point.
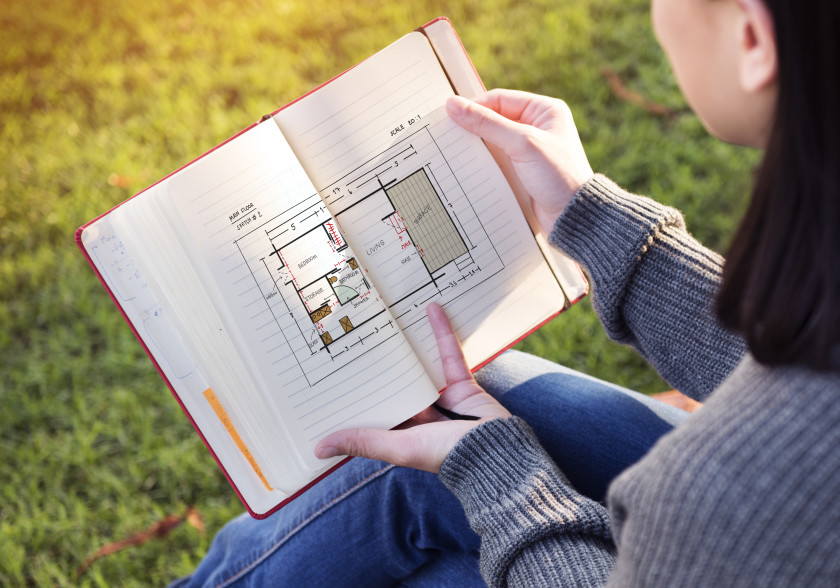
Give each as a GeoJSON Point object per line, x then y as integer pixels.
{"type": "Point", "coordinates": [781, 280]}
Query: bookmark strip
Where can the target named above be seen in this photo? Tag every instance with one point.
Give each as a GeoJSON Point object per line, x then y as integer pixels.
{"type": "Point", "coordinates": [220, 412]}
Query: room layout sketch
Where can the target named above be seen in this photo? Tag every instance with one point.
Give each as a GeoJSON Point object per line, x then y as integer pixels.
{"type": "Point", "coordinates": [319, 302]}
{"type": "Point", "coordinates": [414, 237]}
{"type": "Point", "coordinates": [330, 285]}
{"type": "Point", "coordinates": [413, 228]}
{"type": "Point", "coordinates": [434, 234]}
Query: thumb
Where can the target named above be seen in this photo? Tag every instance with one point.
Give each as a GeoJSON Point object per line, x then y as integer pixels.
{"type": "Point", "coordinates": [397, 447]}
{"type": "Point", "coordinates": [359, 442]}
{"type": "Point", "coordinates": [484, 122]}
{"type": "Point", "coordinates": [423, 447]}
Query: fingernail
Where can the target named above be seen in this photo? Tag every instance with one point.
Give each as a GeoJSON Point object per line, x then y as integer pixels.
{"type": "Point", "coordinates": [326, 452]}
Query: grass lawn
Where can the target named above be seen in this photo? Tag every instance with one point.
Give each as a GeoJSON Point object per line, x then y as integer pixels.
{"type": "Point", "coordinates": [98, 99]}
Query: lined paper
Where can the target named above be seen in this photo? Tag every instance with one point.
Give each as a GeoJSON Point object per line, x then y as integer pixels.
{"type": "Point", "coordinates": [422, 202]}
{"type": "Point", "coordinates": [272, 297]}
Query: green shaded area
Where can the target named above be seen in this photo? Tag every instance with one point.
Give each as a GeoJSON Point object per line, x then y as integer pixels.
{"type": "Point", "coordinates": [99, 99]}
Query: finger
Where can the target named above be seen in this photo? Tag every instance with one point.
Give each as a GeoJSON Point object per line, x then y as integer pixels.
{"type": "Point", "coordinates": [359, 442]}
{"type": "Point", "coordinates": [484, 122]}
{"type": "Point", "coordinates": [512, 104]}
{"type": "Point", "coordinates": [524, 107]}
{"type": "Point", "coordinates": [455, 367]}
{"type": "Point", "coordinates": [397, 447]}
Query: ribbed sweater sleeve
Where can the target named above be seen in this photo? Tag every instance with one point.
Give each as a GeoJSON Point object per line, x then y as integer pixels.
{"type": "Point", "coordinates": [536, 530]}
{"type": "Point", "coordinates": [653, 284]}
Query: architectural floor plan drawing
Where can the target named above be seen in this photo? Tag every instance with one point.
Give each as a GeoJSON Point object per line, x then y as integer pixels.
{"type": "Point", "coordinates": [433, 233]}
{"type": "Point", "coordinates": [413, 227]}
{"type": "Point", "coordinates": [327, 280]}
{"type": "Point", "coordinates": [322, 306]}
{"type": "Point", "coordinates": [399, 233]}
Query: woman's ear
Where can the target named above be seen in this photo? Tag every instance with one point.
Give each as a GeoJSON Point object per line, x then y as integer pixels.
{"type": "Point", "coordinates": [757, 39]}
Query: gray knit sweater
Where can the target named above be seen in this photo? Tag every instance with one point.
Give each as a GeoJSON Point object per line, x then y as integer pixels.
{"type": "Point", "coordinates": [746, 492]}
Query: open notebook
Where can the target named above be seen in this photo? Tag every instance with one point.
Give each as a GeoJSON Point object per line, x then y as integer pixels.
{"type": "Point", "coordinates": [279, 281]}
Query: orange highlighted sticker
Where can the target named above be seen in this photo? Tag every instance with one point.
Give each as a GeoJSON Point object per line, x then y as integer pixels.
{"type": "Point", "coordinates": [220, 412]}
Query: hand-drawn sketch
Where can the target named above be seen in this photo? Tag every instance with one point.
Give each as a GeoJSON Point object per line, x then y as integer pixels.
{"type": "Point", "coordinates": [415, 230]}
{"type": "Point", "coordinates": [319, 298]}
{"type": "Point", "coordinates": [416, 236]}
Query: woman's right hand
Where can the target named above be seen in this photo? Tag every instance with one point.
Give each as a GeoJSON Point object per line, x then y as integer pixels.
{"type": "Point", "coordinates": [539, 135]}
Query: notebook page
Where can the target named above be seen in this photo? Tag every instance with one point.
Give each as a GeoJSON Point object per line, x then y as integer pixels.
{"type": "Point", "coordinates": [448, 48]}
{"type": "Point", "coordinates": [422, 202]}
{"type": "Point", "coordinates": [294, 299]}
{"type": "Point", "coordinates": [120, 272]}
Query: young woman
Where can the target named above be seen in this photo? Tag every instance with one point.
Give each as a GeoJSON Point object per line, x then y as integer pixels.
{"type": "Point", "coordinates": [744, 492]}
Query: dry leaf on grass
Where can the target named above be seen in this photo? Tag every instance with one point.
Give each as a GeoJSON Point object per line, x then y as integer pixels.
{"type": "Point", "coordinates": [678, 399]}
{"type": "Point", "coordinates": [624, 93]}
{"type": "Point", "coordinates": [157, 530]}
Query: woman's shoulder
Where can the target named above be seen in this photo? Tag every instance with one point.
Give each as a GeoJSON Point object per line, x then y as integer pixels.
{"type": "Point", "coordinates": [766, 421]}
{"type": "Point", "coordinates": [755, 472]}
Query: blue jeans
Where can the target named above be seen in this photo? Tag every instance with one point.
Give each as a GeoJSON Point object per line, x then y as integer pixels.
{"type": "Point", "coordinates": [374, 524]}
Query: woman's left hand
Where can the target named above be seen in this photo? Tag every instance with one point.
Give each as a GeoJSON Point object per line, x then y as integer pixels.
{"type": "Point", "coordinates": [424, 441]}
